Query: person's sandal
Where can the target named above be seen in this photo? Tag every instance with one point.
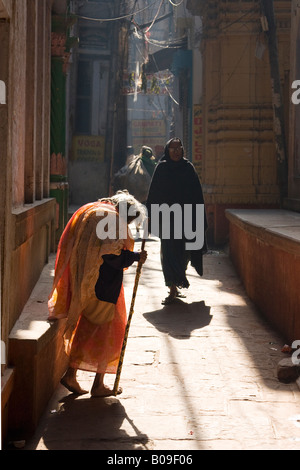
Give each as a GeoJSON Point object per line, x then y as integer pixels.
{"type": "Point", "coordinates": [180, 295]}
{"type": "Point", "coordinates": [168, 300]}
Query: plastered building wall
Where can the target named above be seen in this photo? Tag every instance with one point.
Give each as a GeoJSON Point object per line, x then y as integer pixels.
{"type": "Point", "coordinates": [239, 159]}
{"type": "Point", "coordinates": [27, 212]}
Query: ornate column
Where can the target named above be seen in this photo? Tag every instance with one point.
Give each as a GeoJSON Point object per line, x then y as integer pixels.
{"type": "Point", "coordinates": [239, 152]}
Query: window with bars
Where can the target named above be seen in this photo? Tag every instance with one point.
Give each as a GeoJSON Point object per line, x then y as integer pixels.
{"type": "Point", "coordinates": [92, 96]}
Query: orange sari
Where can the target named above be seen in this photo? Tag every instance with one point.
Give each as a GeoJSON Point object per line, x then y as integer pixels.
{"type": "Point", "coordinates": [93, 341]}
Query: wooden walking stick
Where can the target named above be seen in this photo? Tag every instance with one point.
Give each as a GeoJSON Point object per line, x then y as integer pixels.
{"type": "Point", "coordinates": [136, 282]}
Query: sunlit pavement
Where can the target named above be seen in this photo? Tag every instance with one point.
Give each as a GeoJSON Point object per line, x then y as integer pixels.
{"type": "Point", "coordinates": [199, 374]}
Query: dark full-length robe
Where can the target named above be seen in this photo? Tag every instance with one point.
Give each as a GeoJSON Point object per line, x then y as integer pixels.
{"type": "Point", "coordinates": [176, 183]}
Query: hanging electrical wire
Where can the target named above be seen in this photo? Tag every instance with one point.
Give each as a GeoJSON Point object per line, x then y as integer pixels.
{"type": "Point", "coordinates": [176, 4]}
{"type": "Point", "coordinates": [250, 12]}
{"type": "Point", "coordinates": [133, 9]}
{"type": "Point", "coordinates": [166, 45]}
{"type": "Point", "coordinates": [139, 34]}
{"type": "Point", "coordinates": [155, 17]}
{"type": "Point", "coordinates": [165, 85]}
{"type": "Point", "coordinates": [117, 18]}
{"type": "Point", "coordinates": [164, 81]}
{"type": "Point", "coordinates": [163, 44]}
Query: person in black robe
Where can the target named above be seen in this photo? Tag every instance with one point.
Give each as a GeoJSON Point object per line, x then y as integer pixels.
{"type": "Point", "coordinates": [175, 181]}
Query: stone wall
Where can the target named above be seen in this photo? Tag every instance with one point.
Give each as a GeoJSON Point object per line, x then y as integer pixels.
{"type": "Point", "coordinates": [27, 216]}
{"type": "Point", "coordinates": [26, 157]}
{"type": "Point", "coordinates": [293, 201]}
{"type": "Point", "coordinates": [265, 249]}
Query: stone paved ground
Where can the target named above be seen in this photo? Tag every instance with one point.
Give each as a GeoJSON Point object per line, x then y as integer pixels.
{"type": "Point", "coordinates": [197, 375]}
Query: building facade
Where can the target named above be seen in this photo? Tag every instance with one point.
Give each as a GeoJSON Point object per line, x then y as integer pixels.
{"type": "Point", "coordinates": [47, 81]}
{"type": "Point", "coordinates": [96, 118]}
{"type": "Point", "coordinates": [240, 162]}
{"type": "Point", "coordinates": [63, 131]}
{"type": "Point", "coordinates": [250, 166]}
{"type": "Point", "coordinates": [293, 199]}
{"type": "Point", "coordinates": [27, 212]}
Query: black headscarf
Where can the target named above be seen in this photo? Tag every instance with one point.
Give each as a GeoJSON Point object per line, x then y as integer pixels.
{"type": "Point", "coordinates": [166, 155]}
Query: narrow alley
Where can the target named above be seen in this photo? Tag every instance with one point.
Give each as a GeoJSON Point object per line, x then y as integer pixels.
{"type": "Point", "coordinates": [93, 96]}
{"type": "Point", "coordinates": [197, 375]}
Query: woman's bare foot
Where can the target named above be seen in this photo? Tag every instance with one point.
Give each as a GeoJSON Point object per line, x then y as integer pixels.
{"type": "Point", "coordinates": [69, 381]}
{"type": "Point", "coordinates": [104, 391]}
{"type": "Point", "coordinates": [101, 390]}
{"type": "Point", "coordinates": [72, 385]}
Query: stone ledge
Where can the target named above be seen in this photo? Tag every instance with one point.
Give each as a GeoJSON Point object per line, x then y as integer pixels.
{"type": "Point", "coordinates": [36, 352]}
{"type": "Point", "coordinates": [280, 228]}
{"type": "Point", "coordinates": [29, 218]}
{"type": "Point", "coordinates": [265, 249]}
{"type": "Point", "coordinates": [32, 324]}
{"type": "Point", "coordinates": [291, 204]}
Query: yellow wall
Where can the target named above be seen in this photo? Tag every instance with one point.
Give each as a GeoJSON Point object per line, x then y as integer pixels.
{"type": "Point", "coordinates": [239, 159]}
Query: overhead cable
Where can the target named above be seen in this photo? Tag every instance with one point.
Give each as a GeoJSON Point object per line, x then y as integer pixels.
{"type": "Point", "coordinates": [117, 18]}
{"type": "Point", "coordinates": [176, 4]}
{"type": "Point", "coordinates": [155, 17]}
{"type": "Point", "coordinates": [163, 44]}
